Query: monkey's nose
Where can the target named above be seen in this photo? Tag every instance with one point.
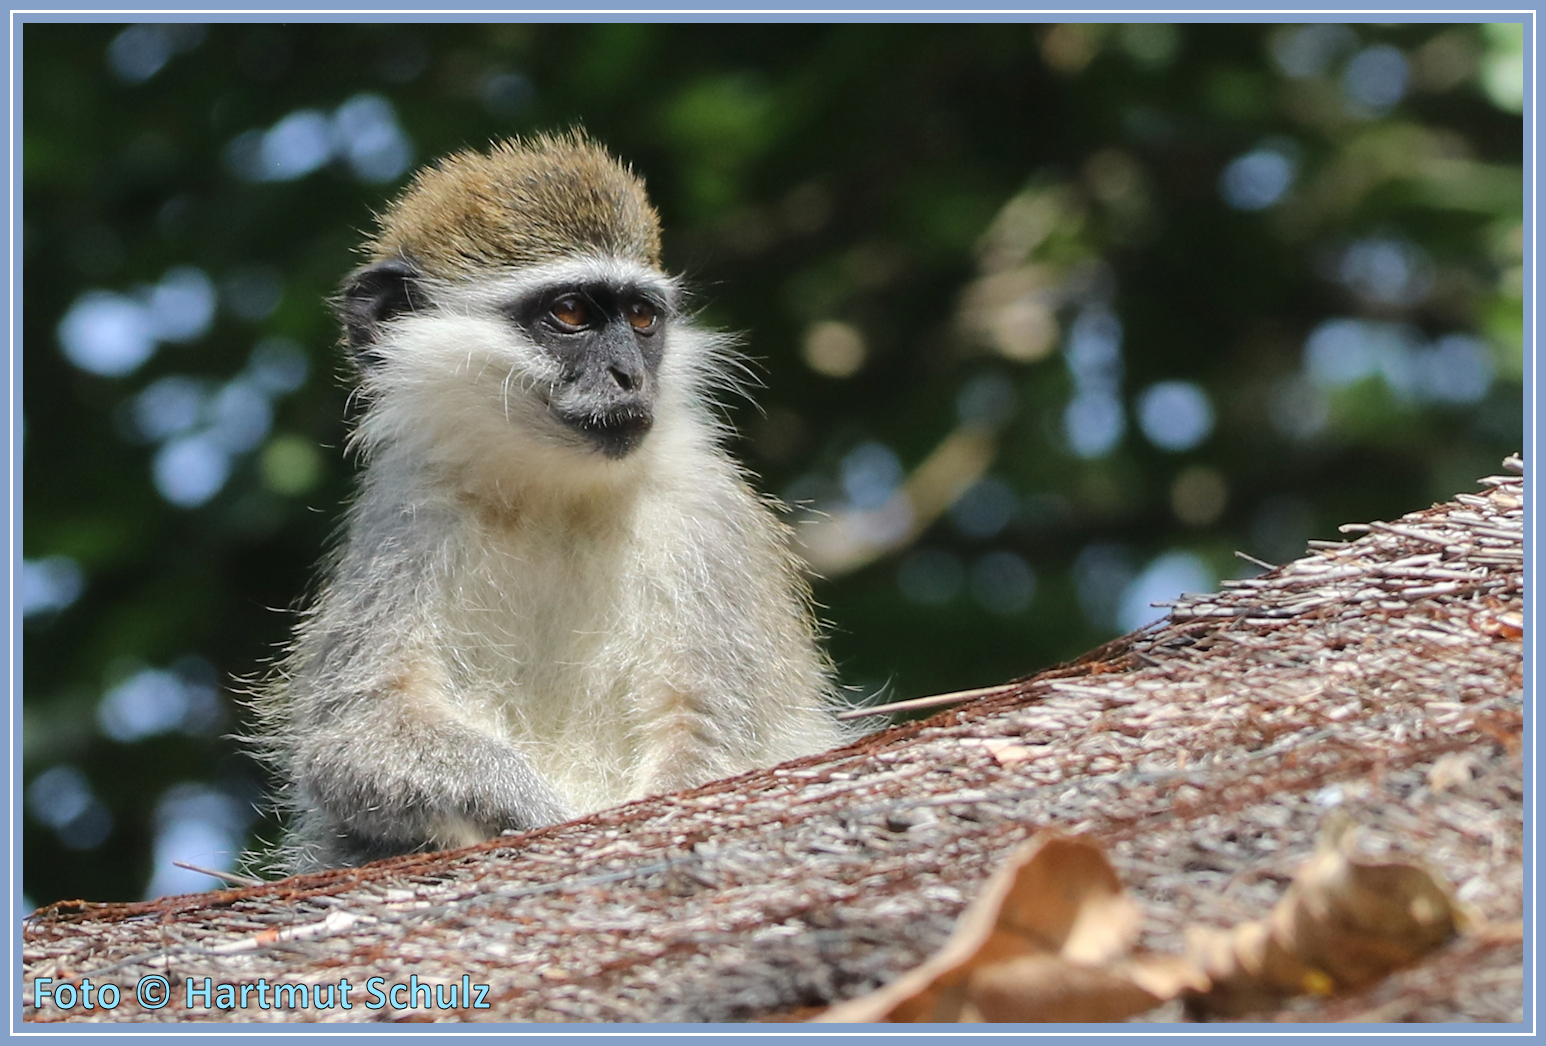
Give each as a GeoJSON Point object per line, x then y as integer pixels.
{"type": "Point", "coordinates": [627, 379]}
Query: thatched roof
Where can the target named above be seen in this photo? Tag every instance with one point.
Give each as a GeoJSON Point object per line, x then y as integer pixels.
{"type": "Point", "coordinates": [1382, 677]}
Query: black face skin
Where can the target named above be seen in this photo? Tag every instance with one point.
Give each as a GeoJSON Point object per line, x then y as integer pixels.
{"type": "Point", "coordinates": [607, 338]}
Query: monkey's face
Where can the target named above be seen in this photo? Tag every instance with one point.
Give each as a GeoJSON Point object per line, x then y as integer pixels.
{"type": "Point", "coordinates": [569, 354]}
{"type": "Point", "coordinates": [606, 338]}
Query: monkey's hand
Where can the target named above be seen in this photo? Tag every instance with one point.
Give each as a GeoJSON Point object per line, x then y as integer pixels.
{"type": "Point", "coordinates": [386, 780]}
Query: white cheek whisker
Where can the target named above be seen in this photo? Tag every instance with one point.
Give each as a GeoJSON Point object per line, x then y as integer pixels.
{"type": "Point", "coordinates": [505, 391]}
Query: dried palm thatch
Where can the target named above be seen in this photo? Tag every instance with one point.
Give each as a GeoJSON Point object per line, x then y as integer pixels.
{"type": "Point", "coordinates": [1382, 677]}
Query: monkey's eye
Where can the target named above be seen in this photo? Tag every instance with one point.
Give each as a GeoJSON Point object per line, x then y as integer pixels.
{"type": "Point", "coordinates": [571, 313]}
{"type": "Point", "coordinates": [642, 316]}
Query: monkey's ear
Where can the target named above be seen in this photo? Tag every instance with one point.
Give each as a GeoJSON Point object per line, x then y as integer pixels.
{"type": "Point", "coordinates": [374, 294]}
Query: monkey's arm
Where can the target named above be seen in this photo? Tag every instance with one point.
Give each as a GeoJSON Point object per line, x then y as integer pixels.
{"type": "Point", "coordinates": [386, 775]}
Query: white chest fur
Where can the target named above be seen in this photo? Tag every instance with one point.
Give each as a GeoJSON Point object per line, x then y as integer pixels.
{"type": "Point", "coordinates": [537, 652]}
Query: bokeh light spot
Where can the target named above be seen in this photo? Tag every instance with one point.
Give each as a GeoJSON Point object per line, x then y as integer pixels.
{"type": "Point", "coordinates": [1258, 179]}
{"type": "Point", "coordinates": [1503, 67]}
{"type": "Point", "coordinates": [195, 824]}
{"type": "Point", "coordinates": [107, 334]}
{"type": "Point", "coordinates": [190, 470]}
{"type": "Point", "coordinates": [1175, 415]}
{"type": "Point", "coordinates": [169, 406]}
{"type": "Point", "coordinates": [291, 465]}
{"type": "Point", "coordinates": [49, 584]}
{"type": "Point", "coordinates": [1340, 352]}
{"type": "Point", "coordinates": [1456, 369]}
{"type": "Point", "coordinates": [1166, 578]}
{"type": "Point", "coordinates": [1386, 271]}
{"type": "Point", "coordinates": [1310, 50]}
{"type": "Point", "coordinates": [833, 349]}
{"type": "Point", "coordinates": [182, 305]}
{"type": "Point", "coordinates": [370, 139]}
{"type": "Point", "coordinates": [1198, 495]}
{"type": "Point", "coordinates": [158, 701]}
{"type": "Point", "coordinates": [870, 474]}
{"type": "Point", "coordinates": [278, 365]}
{"type": "Point", "coordinates": [240, 416]}
{"type": "Point", "coordinates": [1094, 350]}
{"type": "Point", "coordinates": [1376, 78]}
{"type": "Point", "coordinates": [1093, 424]}
{"type": "Point", "coordinates": [61, 797]}
{"type": "Point", "coordinates": [985, 508]}
{"type": "Point", "coordinates": [297, 145]}
{"type": "Point", "coordinates": [141, 51]}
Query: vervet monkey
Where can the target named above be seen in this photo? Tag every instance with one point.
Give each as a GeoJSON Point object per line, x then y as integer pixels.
{"type": "Point", "coordinates": [557, 591]}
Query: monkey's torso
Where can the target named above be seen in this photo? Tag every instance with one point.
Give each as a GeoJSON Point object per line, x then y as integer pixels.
{"type": "Point", "coordinates": [625, 641]}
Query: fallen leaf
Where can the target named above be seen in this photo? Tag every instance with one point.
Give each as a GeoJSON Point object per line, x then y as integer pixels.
{"type": "Point", "coordinates": [1028, 948]}
{"type": "Point", "coordinates": [1042, 988]}
{"type": "Point", "coordinates": [1048, 939]}
{"type": "Point", "coordinates": [1346, 921]}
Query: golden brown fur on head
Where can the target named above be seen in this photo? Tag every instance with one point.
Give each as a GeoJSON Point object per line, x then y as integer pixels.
{"type": "Point", "coordinates": [520, 204]}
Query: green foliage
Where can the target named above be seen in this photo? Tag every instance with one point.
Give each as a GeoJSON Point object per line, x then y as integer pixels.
{"type": "Point", "coordinates": [969, 260]}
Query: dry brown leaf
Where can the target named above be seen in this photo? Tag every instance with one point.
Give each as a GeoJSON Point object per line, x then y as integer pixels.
{"type": "Point", "coordinates": [1028, 948]}
{"type": "Point", "coordinates": [1048, 937]}
{"type": "Point", "coordinates": [1165, 976]}
{"type": "Point", "coordinates": [1041, 988]}
{"type": "Point", "coordinates": [1346, 921]}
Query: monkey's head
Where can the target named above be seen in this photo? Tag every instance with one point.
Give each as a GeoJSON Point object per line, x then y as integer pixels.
{"type": "Point", "coordinates": [517, 294]}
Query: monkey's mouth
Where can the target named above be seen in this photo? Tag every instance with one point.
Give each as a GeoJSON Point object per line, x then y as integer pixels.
{"type": "Point", "coordinates": [615, 433]}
